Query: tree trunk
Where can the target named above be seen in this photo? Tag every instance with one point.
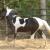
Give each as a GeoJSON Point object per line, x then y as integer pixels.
{"type": "Point", "coordinates": [43, 9]}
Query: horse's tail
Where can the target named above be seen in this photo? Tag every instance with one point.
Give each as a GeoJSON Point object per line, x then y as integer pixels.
{"type": "Point", "coordinates": [46, 26]}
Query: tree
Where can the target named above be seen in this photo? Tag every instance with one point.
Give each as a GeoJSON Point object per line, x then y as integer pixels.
{"type": "Point", "coordinates": [24, 7]}
{"type": "Point", "coordinates": [43, 8]}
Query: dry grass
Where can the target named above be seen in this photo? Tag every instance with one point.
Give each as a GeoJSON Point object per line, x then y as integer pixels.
{"type": "Point", "coordinates": [26, 44]}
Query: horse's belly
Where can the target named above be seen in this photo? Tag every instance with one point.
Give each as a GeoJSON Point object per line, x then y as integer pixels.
{"type": "Point", "coordinates": [27, 29]}
{"type": "Point", "coordinates": [23, 29]}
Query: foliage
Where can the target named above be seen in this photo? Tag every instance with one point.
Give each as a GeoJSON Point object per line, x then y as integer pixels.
{"type": "Point", "coordinates": [24, 7]}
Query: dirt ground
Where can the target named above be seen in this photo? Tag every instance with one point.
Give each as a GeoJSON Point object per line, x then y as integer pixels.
{"type": "Point", "coordinates": [25, 44]}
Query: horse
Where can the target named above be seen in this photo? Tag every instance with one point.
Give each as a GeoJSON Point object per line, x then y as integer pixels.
{"type": "Point", "coordinates": [19, 24]}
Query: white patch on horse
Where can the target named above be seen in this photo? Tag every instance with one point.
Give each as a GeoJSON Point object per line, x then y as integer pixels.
{"type": "Point", "coordinates": [41, 25]}
{"type": "Point", "coordinates": [8, 11]}
{"type": "Point", "coordinates": [17, 24]}
{"type": "Point", "coordinates": [14, 15]}
{"type": "Point", "coordinates": [46, 26]}
{"type": "Point", "coordinates": [25, 19]}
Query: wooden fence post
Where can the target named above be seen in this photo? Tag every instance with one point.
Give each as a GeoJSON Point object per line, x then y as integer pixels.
{"type": "Point", "coordinates": [43, 9]}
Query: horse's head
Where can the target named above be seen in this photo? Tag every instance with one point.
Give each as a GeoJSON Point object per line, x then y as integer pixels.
{"type": "Point", "coordinates": [5, 12]}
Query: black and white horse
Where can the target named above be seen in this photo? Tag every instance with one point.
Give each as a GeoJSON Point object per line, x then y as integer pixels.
{"type": "Point", "coordinates": [32, 25]}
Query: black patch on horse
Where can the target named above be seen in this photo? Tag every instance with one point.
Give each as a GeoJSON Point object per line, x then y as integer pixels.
{"type": "Point", "coordinates": [14, 19]}
{"type": "Point", "coordinates": [31, 24]}
{"type": "Point", "coordinates": [21, 21]}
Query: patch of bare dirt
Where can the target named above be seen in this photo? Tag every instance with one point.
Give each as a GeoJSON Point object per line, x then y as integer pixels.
{"type": "Point", "coordinates": [25, 44]}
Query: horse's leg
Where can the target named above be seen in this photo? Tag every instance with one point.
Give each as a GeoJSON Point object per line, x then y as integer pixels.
{"type": "Point", "coordinates": [13, 30]}
{"type": "Point", "coordinates": [32, 36]}
{"type": "Point", "coordinates": [15, 33]}
{"type": "Point", "coordinates": [12, 27]}
{"type": "Point", "coordinates": [41, 34]}
{"type": "Point", "coordinates": [44, 36]}
{"type": "Point", "coordinates": [35, 35]}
